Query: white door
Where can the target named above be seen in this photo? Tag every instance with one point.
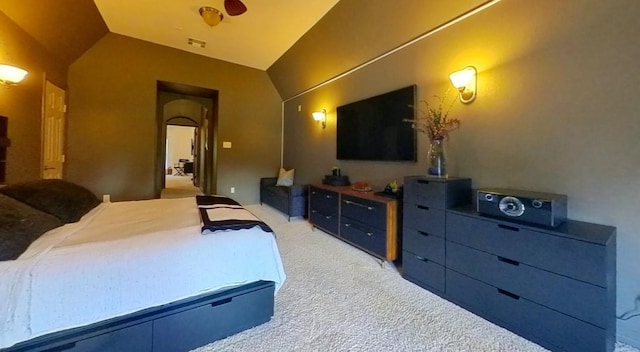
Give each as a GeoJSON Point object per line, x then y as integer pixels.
{"type": "Point", "coordinates": [53, 131]}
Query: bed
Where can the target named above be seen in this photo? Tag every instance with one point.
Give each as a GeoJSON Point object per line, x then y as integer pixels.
{"type": "Point", "coordinates": [133, 276]}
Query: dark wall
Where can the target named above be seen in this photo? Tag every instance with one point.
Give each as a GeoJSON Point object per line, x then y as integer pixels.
{"type": "Point", "coordinates": [113, 124]}
{"type": "Point", "coordinates": [22, 103]}
{"type": "Point", "coordinates": [555, 111]}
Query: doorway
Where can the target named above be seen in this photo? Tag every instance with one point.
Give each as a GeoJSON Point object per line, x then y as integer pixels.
{"type": "Point", "coordinates": [192, 107]}
{"type": "Point", "coordinates": [181, 157]}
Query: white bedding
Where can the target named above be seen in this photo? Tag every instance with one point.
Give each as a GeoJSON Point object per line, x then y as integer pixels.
{"type": "Point", "coordinates": [123, 257]}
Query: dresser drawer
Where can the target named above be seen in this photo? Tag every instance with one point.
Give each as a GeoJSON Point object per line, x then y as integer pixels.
{"type": "Point", "coordinates": [327, 222]}
{"type": "Point", "coordinates": [426, 219]}
{"type": "Point", "coordinates": [325, 201]}
{"type": "Point", "coordinates": [364, 210]}
{"type": "Point", "coordinates": [441, 193]}
{"type": "Point", "coordinates": [577, 259]}
{"type": "Point", "coordinates": [424, 245]}
{"type": "Point", "coordinates": [423, 272]}
{"type": "Point", "coordinates": [545, 326]}
{"type": "Point", "coordinates": [367, 237]}
{"type": "Point", "coordinates": [425, 192]}
{"type": "Point", "coordinates": [543, 287]}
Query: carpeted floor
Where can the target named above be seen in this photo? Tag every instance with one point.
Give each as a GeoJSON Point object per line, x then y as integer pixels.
{"type": "Point", "coordinates": [338, 298]}
{"type": "Point", "coordinates": [179, 187]}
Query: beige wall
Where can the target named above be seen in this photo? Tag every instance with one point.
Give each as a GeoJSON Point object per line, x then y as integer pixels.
{"type": "Point", "coordinates": [556, 111]}
{"type": "Point", "coordinates": [113, 127]}
{"type": "Point", "coordinates": [22, 104]}
{"type": "Point", "coordinates": [179, 141]}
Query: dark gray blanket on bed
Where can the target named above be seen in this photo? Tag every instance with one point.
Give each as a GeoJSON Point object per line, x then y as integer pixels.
{"type": "Point", "coordinates": [214, 200]}
{"type": "Point", "coordinates": [206, 202]}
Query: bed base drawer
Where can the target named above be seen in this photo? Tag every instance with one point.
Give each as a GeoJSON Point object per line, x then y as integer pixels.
{"type": "Point", "coordinates": [211, 322]}
{"type": "Point", "coordinates": [176, 326]}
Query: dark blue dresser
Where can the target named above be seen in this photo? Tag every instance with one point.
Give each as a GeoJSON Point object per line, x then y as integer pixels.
{"type": "Point", "coordinates": [554, 286]}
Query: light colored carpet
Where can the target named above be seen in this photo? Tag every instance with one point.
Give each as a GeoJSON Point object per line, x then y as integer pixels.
{"type": "Point", "coordinates": [179, 187]}
{"type": "Point", "coordinates": [338, 298]}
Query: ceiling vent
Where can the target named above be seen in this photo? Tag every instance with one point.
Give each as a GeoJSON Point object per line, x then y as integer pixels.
{"type": "Point", "coordinates": [197, 43]}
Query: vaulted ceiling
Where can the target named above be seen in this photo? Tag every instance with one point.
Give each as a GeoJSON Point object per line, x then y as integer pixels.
{"type": "Point", "coordinates": [257, 38]}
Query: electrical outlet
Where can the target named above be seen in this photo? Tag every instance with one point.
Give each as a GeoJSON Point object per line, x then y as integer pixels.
{"type": "Point", "coordinates": [233, 190]}
{"type": "Point", "coordinates": [106, 198]}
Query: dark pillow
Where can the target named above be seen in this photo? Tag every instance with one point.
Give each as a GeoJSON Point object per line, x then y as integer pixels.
{"type": "Point", "coordinates": [64, 200]}
{"type": "Point", "coordinates": [20, 225]}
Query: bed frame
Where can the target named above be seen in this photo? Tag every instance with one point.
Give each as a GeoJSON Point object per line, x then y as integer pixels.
{"type": "Point", "coordinates": [177, 326]}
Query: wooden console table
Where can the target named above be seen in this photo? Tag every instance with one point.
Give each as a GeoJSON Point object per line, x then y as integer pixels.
{"type": "Point", "coordinates": [363, 219]}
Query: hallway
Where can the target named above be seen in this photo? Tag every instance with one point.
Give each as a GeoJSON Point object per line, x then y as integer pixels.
{"type": "Point", "coordinates": [179, 187]}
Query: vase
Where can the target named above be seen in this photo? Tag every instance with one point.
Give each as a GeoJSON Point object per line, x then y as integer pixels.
{"type": "Point", "coordinates": [437, 158]}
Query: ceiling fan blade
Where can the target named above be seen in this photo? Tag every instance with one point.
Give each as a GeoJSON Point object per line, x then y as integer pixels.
{"type": "Point", "coordinates": [234, 7]}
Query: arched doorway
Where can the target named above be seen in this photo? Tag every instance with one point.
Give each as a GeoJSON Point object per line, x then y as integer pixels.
{"type": "Point", "coordinates": [183, 105]}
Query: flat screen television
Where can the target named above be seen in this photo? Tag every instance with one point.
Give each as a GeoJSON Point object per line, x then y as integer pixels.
{"type": "Point", "coordinates": [373, 128]}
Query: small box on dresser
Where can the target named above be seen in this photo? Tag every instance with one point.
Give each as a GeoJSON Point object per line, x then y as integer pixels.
{"type": "Point", "coordinates": [423, 244]}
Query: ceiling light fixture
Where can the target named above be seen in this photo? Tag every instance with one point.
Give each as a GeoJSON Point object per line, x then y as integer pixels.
{"type": "Point", "coordinates": [11, 75]}
{"type": "Point", "coordinates": [210, 15]}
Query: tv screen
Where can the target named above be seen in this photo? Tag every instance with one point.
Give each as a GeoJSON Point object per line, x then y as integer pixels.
{"type": "Point", "coordinates": [373, 128]}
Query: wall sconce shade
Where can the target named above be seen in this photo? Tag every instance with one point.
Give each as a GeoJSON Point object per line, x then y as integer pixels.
{"type": "Point", "coordinates": [320, 116]}
{"type": "Point", "coordinates": [210, 15]}
{"type": "Point", "coordinates": [465, 82]}
{"type": "Point", "coordinates": [11, 75]}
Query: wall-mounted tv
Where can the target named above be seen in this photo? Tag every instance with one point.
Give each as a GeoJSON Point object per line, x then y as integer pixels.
{"type": "Point", "coordinates": [373, 128]}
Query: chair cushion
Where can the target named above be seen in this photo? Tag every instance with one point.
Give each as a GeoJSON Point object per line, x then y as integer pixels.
{"type": "Point", "coordinates": [278, 191]}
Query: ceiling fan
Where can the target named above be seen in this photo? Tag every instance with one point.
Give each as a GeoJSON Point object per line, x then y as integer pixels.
{"type": "Point", "coordinates": [212, 16]}
{"type": "Point", "coordinates": [234, 7]}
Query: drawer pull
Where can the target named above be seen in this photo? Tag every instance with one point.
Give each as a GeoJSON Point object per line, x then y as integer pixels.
{"type": "Point", "coordinates": [508, 261]}
{"type": "Point", "coordinates": [358, 205]}
{"type": "Point", "coordinates": [221, 302]}
{"type": "Point", "coordinates": [328, 217]}
{"type": "Point", "coordinates": [508, 294]}
{"type": "Point", "coordinates": [423, 233]}
{"type": "Point", "coordinates": [313, 192]}
{"type": "Point", "coordinates": [314, 211]}
{"type": "Point", "coordinates": [422, 207]}
{"type": "Point", "coordinates": [422, 259]}
{"type": "Point", "coordinates": [328, 196]}
{"type": "Point", "coordinates": [361, 230]}
{"type": "Point", "coordinates": [62, 348]}
{"type": "Point", "coordinates": [510, 228]}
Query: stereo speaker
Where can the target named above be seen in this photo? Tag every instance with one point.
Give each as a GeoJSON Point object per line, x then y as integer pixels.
{"type": "Point", "coordinates": [547, 209]}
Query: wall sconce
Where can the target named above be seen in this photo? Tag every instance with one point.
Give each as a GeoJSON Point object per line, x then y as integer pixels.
{"type": "Point", "coordinates": [320, 116]}
{"type": "Point", "coordinates": [465, 82]}
{"type": "Point", "coordinates": [11, 75]}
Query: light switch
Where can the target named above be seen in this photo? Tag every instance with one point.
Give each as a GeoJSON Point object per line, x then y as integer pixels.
{"type": "Point", "coordinates": [226, 145]}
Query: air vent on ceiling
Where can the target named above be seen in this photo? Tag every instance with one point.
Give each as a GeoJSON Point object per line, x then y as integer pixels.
{"type": "Point", "coordinates": [197, 43]}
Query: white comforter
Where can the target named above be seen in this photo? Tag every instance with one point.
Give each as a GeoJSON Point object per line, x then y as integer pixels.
{"type": "Point", "coordinates": [123, 257]}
